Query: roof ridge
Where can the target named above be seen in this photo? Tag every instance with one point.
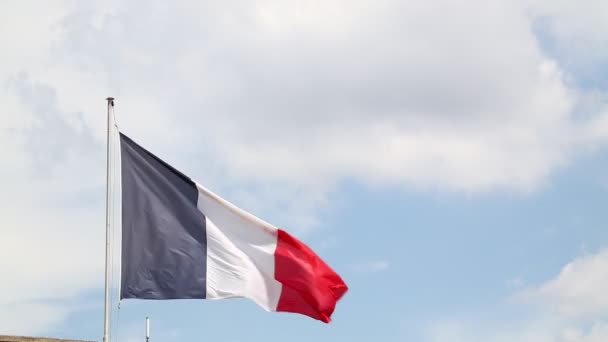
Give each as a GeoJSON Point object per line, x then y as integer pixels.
{"type": "Point", "coordinates": [9, 338]}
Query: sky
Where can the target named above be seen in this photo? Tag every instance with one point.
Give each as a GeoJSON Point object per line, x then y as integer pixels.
{"type": "Point", "coordinates": [446, 158]}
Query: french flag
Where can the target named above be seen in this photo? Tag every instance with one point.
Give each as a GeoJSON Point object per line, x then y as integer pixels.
{"type": "Point", "coordinates": [180, 240]}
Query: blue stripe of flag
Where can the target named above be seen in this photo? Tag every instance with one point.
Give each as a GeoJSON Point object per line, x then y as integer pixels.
{"type": "Point", "coordinates": [164, 242]}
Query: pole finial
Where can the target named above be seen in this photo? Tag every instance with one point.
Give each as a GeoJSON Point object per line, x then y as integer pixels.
{"type": "Point", "coordinates": [110, 100]}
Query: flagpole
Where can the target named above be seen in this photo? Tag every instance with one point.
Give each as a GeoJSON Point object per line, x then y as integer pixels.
{"type": "Point", "coordinates": [106, 307]}
{"type": "Point", "coordinates": [147, 329]}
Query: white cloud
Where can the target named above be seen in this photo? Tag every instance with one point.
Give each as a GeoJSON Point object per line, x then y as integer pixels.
{"type": "Point", "coordinates": [568, 308]}
{"type": "Point", "coordinates": [370, 266]}
{"type": "Point", "coordinates": [576, 34]}
{"type": "Point", "coordinates": [20, 320]}
{"type": "Point", "coordinates": [52, 219]}
{"type": "Point", "coordinates": [579, 289]}
{"type": "Point", "coordinates": [309, 94]}
{"type": "Point", "coordinates": [292, 99]}
{"type": "Point", "coordinates": [516, 282]}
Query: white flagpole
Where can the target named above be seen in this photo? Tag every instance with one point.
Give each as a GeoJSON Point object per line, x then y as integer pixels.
{"type": "Point", "coordinates": [147, 329]}
{"type": "Point", "coordinates": [106, 307]}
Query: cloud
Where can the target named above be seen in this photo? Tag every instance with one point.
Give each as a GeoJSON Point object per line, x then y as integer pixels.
{"type": "Point", "coordinates": [576, 35]}
{"type": "Point", "coordinates": [370, 266]}
{"type": "Point", "coordinates": [308, 94]}
{"type": "Point", "coordinates": [568, 308]}
{"type": "Point", "coordinates": [21, 321]}
{"type": "Point", "coordinates": [516, 282]}
{"type": "Point", "coordinates": [52, 219]}
{"type": "Point", "coordinates": [579, 289]}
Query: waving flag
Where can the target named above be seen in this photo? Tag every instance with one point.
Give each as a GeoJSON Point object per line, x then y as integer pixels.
{"type": "Point", "coordinates": [180, 240]}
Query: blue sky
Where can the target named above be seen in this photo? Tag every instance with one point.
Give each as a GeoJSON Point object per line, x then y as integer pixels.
{"type": "Point", "coordinates": [428, 257]}
{"type": "Point", "coordinates": [446, 159]}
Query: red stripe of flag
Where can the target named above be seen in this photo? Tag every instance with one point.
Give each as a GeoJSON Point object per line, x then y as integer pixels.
{"type": "Point", "coordinates": [310, 286]}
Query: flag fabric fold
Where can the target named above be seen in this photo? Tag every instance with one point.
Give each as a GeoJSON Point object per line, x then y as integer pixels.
{"type": "Point", "coordinates": [180, 241]}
